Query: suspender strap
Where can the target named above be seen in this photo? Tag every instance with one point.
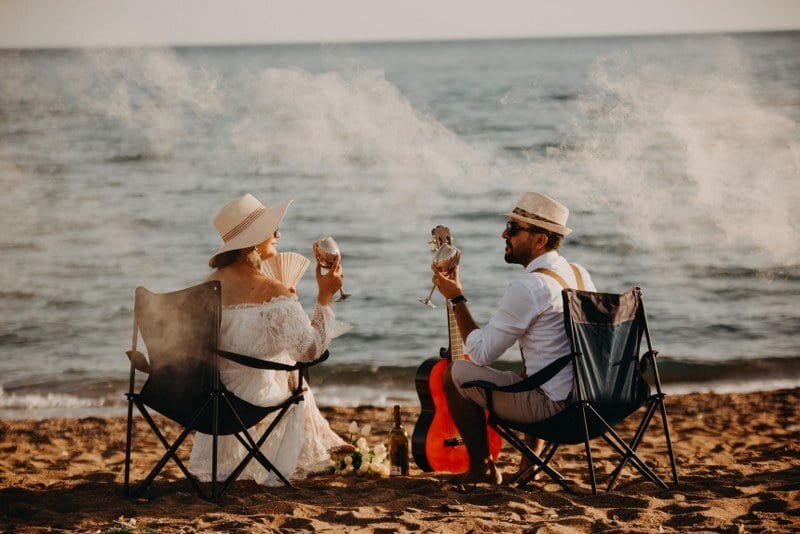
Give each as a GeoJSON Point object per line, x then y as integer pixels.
{"type": "Point", "coordinates": [552, 274]}
{"type": "Point", "coordinates": [578, 276]}
{"type": "Point", "coordinates": [553, 367]}
{"type": "Point", "coordinates": [555, 276]}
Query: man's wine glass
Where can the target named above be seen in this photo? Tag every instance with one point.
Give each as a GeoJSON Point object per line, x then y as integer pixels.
{"type": "Point", "coordinates": [444, 261]}
{"type": "Point", "coordinates": [326, 251]}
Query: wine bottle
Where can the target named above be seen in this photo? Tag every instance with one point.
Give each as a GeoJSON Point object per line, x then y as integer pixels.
{"type": "Point", "coordinates": [398, 447]}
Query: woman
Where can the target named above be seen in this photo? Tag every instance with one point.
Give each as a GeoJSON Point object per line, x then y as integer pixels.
{"type": "Point", "coordinates": [262, 318]}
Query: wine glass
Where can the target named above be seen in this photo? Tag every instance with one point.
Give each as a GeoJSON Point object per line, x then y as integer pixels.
{"type": "Point", "coordinates": [444, 261]}
{"type": "Point", "coordinates": [326, 251]}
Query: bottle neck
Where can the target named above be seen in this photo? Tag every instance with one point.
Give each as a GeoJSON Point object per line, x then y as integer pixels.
{"type": "Point", "coordinates": [397, 416]}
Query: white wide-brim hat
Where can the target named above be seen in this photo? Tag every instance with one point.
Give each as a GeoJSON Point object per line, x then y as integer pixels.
{"type": "Point", "coordinates": [246, 222]}
{"type": "Point", "coordinates": [542, 211]}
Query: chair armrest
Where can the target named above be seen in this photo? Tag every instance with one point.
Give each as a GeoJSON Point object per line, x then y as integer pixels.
{"type": "Point", "coordinates": [249, 361]}
{"type": "Point", "coordinates": [647, 359]}
{"type": "Point", "coordinates": [138, 360]}
{"type": "Point", "coordinates": [322, 357]}
{"type": "Point", "coordinates": [481, 384]}
{"type": "Point", "coordinates": [528, 384]}
{"type": "Point", "coordinates": [257, 363]}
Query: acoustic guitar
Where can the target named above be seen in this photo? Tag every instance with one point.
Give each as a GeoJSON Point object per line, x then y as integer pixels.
{"type": "Point", "coordinates": [436, 444]}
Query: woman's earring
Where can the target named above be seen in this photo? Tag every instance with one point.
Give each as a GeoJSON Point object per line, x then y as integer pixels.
{"type": "Point", "coordinates": [254, 258]}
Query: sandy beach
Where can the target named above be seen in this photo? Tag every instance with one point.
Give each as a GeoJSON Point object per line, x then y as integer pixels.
{"type": "Point", "coordinates": [738, 458]}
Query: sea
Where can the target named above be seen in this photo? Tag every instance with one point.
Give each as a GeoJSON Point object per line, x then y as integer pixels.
{"type": "Point", "coordinates": [678, 156]}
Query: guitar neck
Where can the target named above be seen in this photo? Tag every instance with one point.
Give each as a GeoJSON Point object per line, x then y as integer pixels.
{"type": "Point", "coordinates": [456, 343]}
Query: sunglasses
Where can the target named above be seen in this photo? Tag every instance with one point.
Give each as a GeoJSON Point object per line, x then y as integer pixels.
{"type": "Point", "coordinates": [513, 229]}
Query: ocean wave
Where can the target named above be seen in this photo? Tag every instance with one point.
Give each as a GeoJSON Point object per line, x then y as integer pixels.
{"type": "Point", "coordinates": [11, 339]}
{"type": "Point", "coordinates": [137, 157]}
{"type": "Point", "coordinates": [64, 304]}
{"type": "Point", "coordinates": [38, 401]}
{"type": "Point", "coordinates": [376, 385]}
{"type": "Point", "coordinates": [17, 295]}
{"type": "Point", "coordinates": [789, 273]}
{"type": "Point", "coordinates": [563, 97]}
{"type": "Point", "coordinates": [19, 246]}
{"type": "Point", "coordinates": [541, 149]}
{"type": "Point", "coordinates": [672, 371]}
{"type": "Point", "coordinates": [610, 244]}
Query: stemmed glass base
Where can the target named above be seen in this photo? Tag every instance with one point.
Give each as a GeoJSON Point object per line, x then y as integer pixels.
{"type": "Point", "coordinates": [427, 300]}
{"type": "Point", "coordinates": [444, 261]}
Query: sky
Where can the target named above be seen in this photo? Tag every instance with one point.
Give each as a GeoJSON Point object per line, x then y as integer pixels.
{"type": "Point", "coordinates": [100, 23]}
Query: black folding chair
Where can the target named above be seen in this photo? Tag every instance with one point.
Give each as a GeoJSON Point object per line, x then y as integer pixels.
{"type": "Point", "coordinates": [181, 333]}
{"type": "Point", "coordinates": [605, 332]}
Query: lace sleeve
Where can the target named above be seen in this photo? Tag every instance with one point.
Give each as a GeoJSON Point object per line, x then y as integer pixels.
{"type": "Point", "coordinates": [303, 338]}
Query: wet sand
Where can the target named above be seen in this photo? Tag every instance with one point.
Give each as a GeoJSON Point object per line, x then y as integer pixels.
{"type": "Point", "coordinates": [738, 459]}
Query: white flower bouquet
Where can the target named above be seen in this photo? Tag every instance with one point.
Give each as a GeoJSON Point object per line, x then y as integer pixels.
{"type": "Point", "coordinates": [357, 458]}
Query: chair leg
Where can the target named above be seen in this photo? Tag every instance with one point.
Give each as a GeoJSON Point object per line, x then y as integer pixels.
{"type": "Point", "coordinates": [669, 440]}
{"type": "Point", "coordinates": [623, 449]}
{"type": "Point", "coordinates": [129, 437]}
{"type": "Point", "coordinates": [253, 452]}
{"type": "Point", "coordinates": [637, 438]}
{"type": "Point", "coordinates": [521, 446]}
{"type": "Point", "coordinates": [645, 423]}
{"type": "Point", "coordinates": [530, 473]}
{"type": "Point", "coordinates": [640, 465]}
{"type": "Point", "coordinates": [254, 448]}
{"type": "Point", "coordinates": [170, 454]}
{"type": "Point", "coordinates": [588, 450]}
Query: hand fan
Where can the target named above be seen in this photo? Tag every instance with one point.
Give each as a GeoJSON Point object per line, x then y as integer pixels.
{"type": "Point", "coordinates": [288, 267]}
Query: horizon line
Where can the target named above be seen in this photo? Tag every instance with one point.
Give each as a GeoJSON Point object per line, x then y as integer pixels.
{"type": "Point", "coordinates": [399, 40]}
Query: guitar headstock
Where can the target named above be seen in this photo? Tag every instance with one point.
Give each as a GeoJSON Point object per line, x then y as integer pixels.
{"type": "Point", "coordinates": [440, 236]}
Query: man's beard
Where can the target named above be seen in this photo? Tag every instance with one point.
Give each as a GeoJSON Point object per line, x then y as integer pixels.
{"type": "Point", "coordinates": [511, 256]}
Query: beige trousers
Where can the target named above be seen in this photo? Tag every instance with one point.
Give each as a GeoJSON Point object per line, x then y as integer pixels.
{"type": "Point", "coordinates": [524, 407]}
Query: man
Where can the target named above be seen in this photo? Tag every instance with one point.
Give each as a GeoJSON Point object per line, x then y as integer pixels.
{"type": "Point", "coordinates": [530, 313]}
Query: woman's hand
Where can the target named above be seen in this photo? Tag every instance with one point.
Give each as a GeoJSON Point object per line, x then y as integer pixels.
{"type": "Point", "coordinates": [448, 284]}
{"type": "Point", "coordinates": [329, 283]}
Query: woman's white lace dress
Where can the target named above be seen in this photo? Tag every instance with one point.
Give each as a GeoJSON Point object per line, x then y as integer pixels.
{"type": "Point", "coordinates": [278, 330]}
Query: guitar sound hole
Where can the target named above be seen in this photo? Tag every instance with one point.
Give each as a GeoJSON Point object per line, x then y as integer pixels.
{"type": "Point", "coordinates": [453, 442]}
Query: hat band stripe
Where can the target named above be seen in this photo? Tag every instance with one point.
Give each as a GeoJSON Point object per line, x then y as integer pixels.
{"type": "Point", "coordinates": [529, 215]}
{"type": "Point", "coordinates": [242, 226]}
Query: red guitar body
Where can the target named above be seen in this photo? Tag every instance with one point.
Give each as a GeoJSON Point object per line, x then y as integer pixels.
{"type": "Point", "coordinates": [436, 444]}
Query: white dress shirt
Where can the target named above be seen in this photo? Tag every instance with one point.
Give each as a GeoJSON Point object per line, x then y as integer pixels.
{"type": "Point", "coordinates": [532, 313]}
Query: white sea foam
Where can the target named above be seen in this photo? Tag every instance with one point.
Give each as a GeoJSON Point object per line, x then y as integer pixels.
{"type": "Point", "coordinates": [41, 405]}
{"type": "Point", "coordinates": [352, 395]}
{"type": "Point", "coordinates": [359, 130]}
{"type": "Point", "coordinates": [688, 149]}
{"type": "Point", "coordinates": [732, 386]}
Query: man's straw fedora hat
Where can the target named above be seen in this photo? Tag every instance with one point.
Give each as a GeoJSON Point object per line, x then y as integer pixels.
{"type": "Point", "coordinates": [542, 211]}
{"type": "Point", "coordinates": [245, 222]}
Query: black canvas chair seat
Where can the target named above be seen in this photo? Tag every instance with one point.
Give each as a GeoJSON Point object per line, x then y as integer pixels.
{"type": "Point", "coordinates": [605, 332]}
{"type": "Point", "coordinates": [566, 427]}
{"type": "Point", "coordinates": [181, 333]}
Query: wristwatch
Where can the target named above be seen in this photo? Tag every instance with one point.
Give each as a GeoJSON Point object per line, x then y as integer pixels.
{"type": "Point", "coordinates": [458, 299]}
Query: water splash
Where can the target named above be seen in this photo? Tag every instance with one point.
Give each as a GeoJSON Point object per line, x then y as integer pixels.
{"type": "Point", "coordinates": [150, 91]}
{"type": "Point", "coordinates": [358, 129]}
{"type": "Point", "coordinates": [686, 159]}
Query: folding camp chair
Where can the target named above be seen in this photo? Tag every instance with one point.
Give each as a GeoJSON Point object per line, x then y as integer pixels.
{"type": "Point", "coordinates": [181, 333]}
{"type": "Point", "coordinates": [605, 332]}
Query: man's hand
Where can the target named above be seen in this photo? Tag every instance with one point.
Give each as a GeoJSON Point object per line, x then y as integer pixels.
{"type": "Point", "coordinates": [448, 284]}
